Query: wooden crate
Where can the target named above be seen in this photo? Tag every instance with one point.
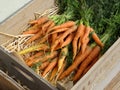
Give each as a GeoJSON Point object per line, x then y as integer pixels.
{"type": "Point", "coordinates": [7, 83]}
{"type": "Point", "coordinates": [102, 75]}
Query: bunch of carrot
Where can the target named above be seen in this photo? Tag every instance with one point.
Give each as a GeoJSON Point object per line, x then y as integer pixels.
{"type": "Point", "coordinates": [49, 53]}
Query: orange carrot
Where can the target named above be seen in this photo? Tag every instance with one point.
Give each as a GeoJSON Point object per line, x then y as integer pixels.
{"type": "Point", "coordinates": [85, 38]}
{"type": "Point", "coordinates": [39, 21]}
{"type": "Point", "coordinates": [45, 26]}
{"type": "Point", "coordinates": [47, 57]}
{"type": "Point", "coordinates": [96, 38]}
{"type": "Point", "coordinates": [91, 64]}
{"type": "Point", "coordinates": [64, 35]}
{"type": "Point", "coordinates": [65, 25]}
{"type": "Point", "coordinates": [53, 74]}
{"type": "Point", "coordinates": [35, 37]}
{"type": "Point", "coordinates": [42, 58]}
{"type": "Point", "coordinates": [78, 59]}
{"type": "Point", "coordinates": [68, 40]}
{"type": "Point", "coordinates": [44, 65]}
{"type": "Point", "coordinates": [32, 30]}
{"type": "Point", "coordinates": [87, 32]}
{"type": "Point", "coordinates": [50, 66]}
{"type": "Point", "coordinates": [84, 45]}
{"type": "Point", "coordinates": [59, 30]}
{"type": "Point", "coordinates": [54, 36]}
{"type": "Point", "coordinates": [95, 52]}
{"type": "Point", "coordinates": [78, 34]}
{"type": "Point", "coordinates": [34, 56]}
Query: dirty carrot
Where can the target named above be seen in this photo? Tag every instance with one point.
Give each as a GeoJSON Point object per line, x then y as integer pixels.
{"type": "Point", "coordinates": [65, 25]}
{"type": "Point", "coordinates": [78, 59]}
{"type": "Point", "coordinates": [51, 65]}
{"type": "Point", "coordinates": [94, 53]}
{"type": "Point", "coordinates": [96, 38]}
{"type": "Point", "coordinates": [54, 36]}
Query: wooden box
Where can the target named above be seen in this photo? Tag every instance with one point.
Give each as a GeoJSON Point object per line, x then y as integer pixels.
{"type": "Point", "coordinates": [103, 75]}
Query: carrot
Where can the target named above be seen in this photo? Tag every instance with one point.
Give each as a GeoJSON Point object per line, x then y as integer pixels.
{"type": "Point", "coordinates": [44, 65]}
{"type": "Point", "coordinates": [68, 40]}
{"type": "Point", "coordinates": [85, 38]}
{"type": "Point", "coordinates": [50, 66]}
{"type": "Point", "coordinates": [54, 36]}
{"type": "Point", "coordinates": [53, 74]}
{"type": "Point", "coordinates": [87, 32]}
{"type": "Point", "coordinates": [65, 34]}
{"type": "Point", "coordinates": [84, 45]}
{"type": "Point", "coordinates": [79, 44]}
{"type": "Point", "coordinates": [46, 57]}
{"type": "Point", "coordinates": [65, 25]}
{"type": "Point", "coordinates": [34, 56]}
{"type": "Point", "coordinates": [91, 64]}
{"type": "Point", "coordinates": [78, 34]}
{"type": "Point", "coordinates": [50, 27]}
{"type": "Point", "coordinates": [35, 37]}
{"type": "Point", "coordinates": [31, 49]}
{"type": "Point", "coordinates": [95, 52]}
{"type": "Point", "coordinates": [58, 30]}
{"type": "Point", "coordinates": [32, 30]}
{"type": "Point", "coordinates": [62, 56]}
{"type": "Point", "coordinates": [39, 21]}
{"type": "Point", "coordinates": [78, 59]}
{"type": "Point", "coordinates": [45, 26]}
{"type": "Point", "coordinates": [61, 71]}
{"type": "Point", "coordinates": [96, 38]}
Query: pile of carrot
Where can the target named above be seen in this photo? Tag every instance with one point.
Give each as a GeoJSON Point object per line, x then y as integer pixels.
{"type": "Point", "coordinates": [48, 55]}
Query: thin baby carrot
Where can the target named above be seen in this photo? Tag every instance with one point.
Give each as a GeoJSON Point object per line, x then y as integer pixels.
{"type": "Point", "coordinates": [51, 65]}
{"type": "Point", "coordinates": [79, 33]}
{"type": "Point", "coordinates": [84, 45]}
{"type": "Point", "coordinates": [78, 59]}
{"type": "Point", "coordinates": [44, 65]}
{"type": "Point", "coordinates": [65, 34]}
{"type": "Point", "coordinates": [68, 40]}
{"type": "Point", "coordinates": [62, 56]}
{"type": "Point", "coordinates": [35, 37]}
{"type": "Point", "coordinates": [95, 52]}
{"type": "Point", "coordinates": [42, 58]}
{"type": "Point", "coordinates": [32, 30]}
{"type": "Point", "coordinates": [96, 38]}
{"type": "Point", "coordinates": [45, 26]}
{"type": "Point", "coordinates": [31, 49]}
{"type": "Point", "coordinates": [65, 25]}
{"type": "Point", "coordinates": [39, 21]}
{"type": "Point", "coordinates": [34, 56]}
{"type": "Point", "coordinates": [53, 74]}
